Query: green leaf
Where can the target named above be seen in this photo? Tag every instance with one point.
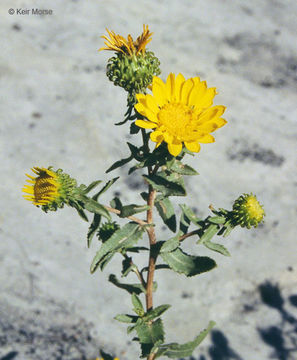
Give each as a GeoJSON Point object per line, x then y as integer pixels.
{"type": "Point", "coordinates": [170, 244]}
{"type": "Point", "coordinates": [191, 215]}
{"type": "Point", "coordinates": [116, 203]}
{"type": "Point", "coordinates": [106, 356]}
{"type": "Point", "coordinates": [156, 312]}
{"type": "Point", "coordinates": [91, 186]}
{"type": "Point", "coordinates": [168, 185]}
{"type": "Point", "coordinates": [216, 247]}
{"type": "Point", "coordinates": [217, 219]}
{"type": "Point", "coordinates": [208, 233]}
{"type": "Point", "coordinates": [149, 334]}
{"type": "Point", "coordinates": [184, 223]}
{"type": "Point", "coordinates": [122, 238]}
{"type": "Point", "coordinates": [138, 308]}
{"type": "Point", "coordinates": [79, 210]}
{"type": "Point", "coordinates": [180, 168]}
{"type": "Point", "coordinates": [92, 206]}
{"type": "Point", "coordinates": [105, 188]}
{"type": "Point", "coordinates": [128, 319]}
{"type": "Point", "coordinates": [166, 211]}
{"type": "Point", "coordinates": [131, 288]}
{"type": "Point", "coordinates": [188, 265]}
{"type": "Point", "coordinates": [105, 260]}
{"type": "Point", "coordinates": [175, 350]}
{"type": "Point", "coordinates": [93, 228]}
{"type": "Point", "coordinates": [132, 209]}
{"type": "Point", "coordinates": [119, 163]}
{"type": "Point", "coordinates": [127, 267]}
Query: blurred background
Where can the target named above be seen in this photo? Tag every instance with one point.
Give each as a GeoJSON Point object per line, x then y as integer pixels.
{"type": "Point", "coordinates": [58, 108]}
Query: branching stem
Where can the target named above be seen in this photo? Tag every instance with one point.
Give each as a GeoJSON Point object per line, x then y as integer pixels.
{"type": "Point", "coordinates": [133, 218]}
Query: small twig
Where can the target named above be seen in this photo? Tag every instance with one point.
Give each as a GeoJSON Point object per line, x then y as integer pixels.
{"type": "Point", "coordinates": [133, 218]}
{"type": "Point", "coordinates": [183, 237]}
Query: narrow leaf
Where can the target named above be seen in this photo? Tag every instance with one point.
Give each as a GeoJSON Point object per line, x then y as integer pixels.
{"type": "Point", "coordinates": [105, 188]}
{"type": "Point", "coordinates": [131, 288]}
{"type": "Point", "coordinates": [180, 168]}
{"type": "Point", "coordinates": [132, 209]}
{"type": "Point", "coordinates": [170, 244]}
{"type": "Point", "coordinates": [92, 186]}
{"type": "Point", "coordinates": [93, 228]}
{"type": "Point", "coordinates": [190, 214]}
{"type": "Point", "coordinates": [209, 233]}
{"type": "Point", "coordinates": [166, 211]}
{"type": "Point", "coordinates": [216, 247]}
{"type": "Point", "coordinates": [128, 319]}
{"type": "Point", "coordinates": [167, 185]}
{"type": "Point", "coordinates": [119, 163]}
{"type": "Point", "coordinates": [217, 219]}
{"type": "Point", "coordinates": [124, 237]}
{"type": "Point", "coordinates": [188, 265]}
{"type": "Point", "coordinates": [156, 312]}
{"type": "Point", "coordinates": [175, 350]}
{"type": "Point", "coordinates": [138, 308]}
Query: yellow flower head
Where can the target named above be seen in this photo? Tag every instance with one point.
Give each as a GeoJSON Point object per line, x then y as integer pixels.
{"type": "Point", "coordinates": [247, 211]}
{"type": "Point", "coordinates": [49, 189]}
{"type": "Point", "coordinates": [180, 112]}
{"type": "Point", "coordinates": [127, 46]}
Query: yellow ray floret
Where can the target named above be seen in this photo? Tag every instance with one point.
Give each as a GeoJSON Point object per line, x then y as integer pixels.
{"type": "Point", "coordinates": [128, 46]}
{"type": "Point", "coordinates": [44, 188]}
{"type": "Point", "coordinates": [180, 112]}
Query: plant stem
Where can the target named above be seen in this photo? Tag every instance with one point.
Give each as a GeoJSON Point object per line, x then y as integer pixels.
{"type": "Point", "coordinates": [152, 257]}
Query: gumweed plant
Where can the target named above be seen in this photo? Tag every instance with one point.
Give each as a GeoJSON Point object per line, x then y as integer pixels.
{"type": "Point", "coordinates": [172, 118]}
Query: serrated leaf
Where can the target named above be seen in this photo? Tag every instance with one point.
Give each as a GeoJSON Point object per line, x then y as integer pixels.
{"type": "Point", "coordinates": [156, 312]}
{"type": "Point", "coordinates": [122, 238]}
{"type": "Point", "coordinates": [130, 288]}
{"type": "Point", "coordinates": [138, 308]}
{"type": "Point", "coordinates": [183, 169]}
{"type": "Point", "coordinates": [132, 209]}
{"type": "Point", "coordinates": [175, 350]}
{"type": "Point", "coordinates": [171, 244]}
{"type": "Point", "coordinates": [171, 185]}
{"type": "Point", "coordinates": [208, 233]}
{"type": "Point", "coordinates": [216, 247]}
{"type": "Point", "coordinates": [93, 228]}
{"type": "Point", "coordinates": [92, 186]}
{"type": "Point", "coordinates": [217, 219]}
{"type": "Point", "coordinates": [149, 334]}
{"type": "Point", "coordinates": [166, 211]}
{"type": "Point", "coordinates": [105, 188]}
{"type": "Point", "coordinates": [128, 319]}
{"type": "Point", "coordinates": [188, 265]}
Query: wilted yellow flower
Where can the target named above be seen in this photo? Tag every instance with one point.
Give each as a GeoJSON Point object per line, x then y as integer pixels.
{"type": "Point", "coordinates": [180, 112]}
{"type": "Point", "coordinates": [44, 188]}
{"type": "Point", "coordinates": [127, 46]}
{"type": "Point", "coordinates": [49, 189]}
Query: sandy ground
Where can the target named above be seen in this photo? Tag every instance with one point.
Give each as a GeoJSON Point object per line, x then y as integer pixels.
{"type": "Point", "coordinates": [58, 108]}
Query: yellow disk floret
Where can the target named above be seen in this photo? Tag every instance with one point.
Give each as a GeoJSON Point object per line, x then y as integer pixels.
{"type": "Point", "coordinates": [180, 112]}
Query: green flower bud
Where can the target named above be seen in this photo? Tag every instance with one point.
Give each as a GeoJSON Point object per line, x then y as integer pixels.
{"type": "Point", "coordinates": [247, 211]}
{"type": "Point", "coordinates": [133, 73]}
